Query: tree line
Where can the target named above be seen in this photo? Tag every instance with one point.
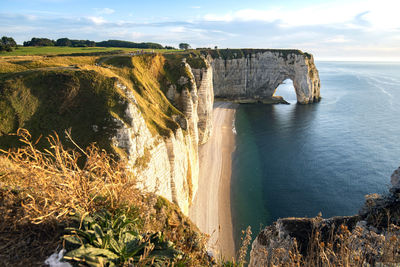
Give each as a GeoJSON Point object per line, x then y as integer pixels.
{"type": "Point", "coordinates": [87, 43]}
{"type": "Point", "coordinates": [8, 43]}
{"type": "Point", "coordinates": [60, 42]}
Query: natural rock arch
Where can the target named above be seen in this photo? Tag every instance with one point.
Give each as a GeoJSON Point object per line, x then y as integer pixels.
{"type": "Point", "coordinates": [255, 77]}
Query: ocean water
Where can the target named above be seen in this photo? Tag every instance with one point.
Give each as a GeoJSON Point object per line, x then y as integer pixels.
{"type": "Point", "coordinates": [299, 160]}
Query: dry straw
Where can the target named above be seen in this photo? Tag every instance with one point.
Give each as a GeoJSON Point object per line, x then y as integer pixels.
{"type": "Point", "coordinates": [53, 184]}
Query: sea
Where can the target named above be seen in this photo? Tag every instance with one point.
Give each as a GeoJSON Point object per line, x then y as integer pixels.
{"type": "Point", "coordinates": [299, 160]}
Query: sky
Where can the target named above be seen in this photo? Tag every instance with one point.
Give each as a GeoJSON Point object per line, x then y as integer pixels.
{"type": "Point", "coordinates": [330, 30]}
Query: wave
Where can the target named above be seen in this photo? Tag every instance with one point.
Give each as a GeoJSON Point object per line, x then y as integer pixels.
{"type": "Point", "coordinates": [375, 83]}
{"type": "Point", "coordinates": [386, 83]}
{"type": "Point", "coordinates": [233, 124]}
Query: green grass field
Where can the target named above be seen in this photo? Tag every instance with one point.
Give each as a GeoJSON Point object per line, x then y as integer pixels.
{"type": "Point", "coordinates": [55, 50]}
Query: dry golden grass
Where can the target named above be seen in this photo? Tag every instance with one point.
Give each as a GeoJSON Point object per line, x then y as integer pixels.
{"type": "Point", "coordinates": [357, 248]}
{"type": "Point", "coordinates": [142, 75]}
{"type": "Point", "coordinates": [246, 240]}
{"type": "Point", "coordinates": [17, 64]}
{"type": "Point", "coordinates": [53, 184]}
{"type": "Point", "coordinates": [39, 190]}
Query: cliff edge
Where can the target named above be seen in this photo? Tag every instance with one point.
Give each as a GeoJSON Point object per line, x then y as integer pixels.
{"type": "Point", "coordinates": [370, 237]}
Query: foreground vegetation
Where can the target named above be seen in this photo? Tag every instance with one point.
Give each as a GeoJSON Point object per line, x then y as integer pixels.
{"type": "Point", "coordinates": [359, 247]}
{"type": "Point", "coordinates": [95, 207]}
{"type": "Point", "coordinates": [51, 200]}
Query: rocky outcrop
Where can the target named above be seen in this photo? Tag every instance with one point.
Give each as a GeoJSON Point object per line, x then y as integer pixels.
{"type": "Point", "coordinates": [205, 91]}
{"type": "Point", "coordinates": [395, 179]}
{"type": "Point", "coordinates": [147, 155]}
{"type": "Point", "coordinates": [255, 76]}
{"type": "Point", "coordinates": [372, 229]}
{"type": "Point", "coordinates": [290, 234]}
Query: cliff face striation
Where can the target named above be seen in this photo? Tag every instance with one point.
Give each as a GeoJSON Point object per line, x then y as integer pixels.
{"type": "Point", "coordinates": [253, 75]}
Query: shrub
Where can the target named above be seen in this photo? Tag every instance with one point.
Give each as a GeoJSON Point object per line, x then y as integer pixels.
{"type": "Point", "coordinates": [184, 46]}
{"type": "Point", "coordinates": [7, 44]}
{"type": "Point", "coordinates": [104, 239]}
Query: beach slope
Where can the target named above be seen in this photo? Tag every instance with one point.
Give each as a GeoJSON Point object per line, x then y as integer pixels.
{"type": "Point", "coordinates": [211, 209]}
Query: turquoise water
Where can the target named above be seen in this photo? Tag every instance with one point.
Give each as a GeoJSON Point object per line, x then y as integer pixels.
{"type": "Point", "coordinates": [299, 160]}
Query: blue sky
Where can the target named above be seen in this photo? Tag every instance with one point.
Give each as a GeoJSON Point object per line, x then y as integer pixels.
{"type": "Point", "coordinates": [352, 29]}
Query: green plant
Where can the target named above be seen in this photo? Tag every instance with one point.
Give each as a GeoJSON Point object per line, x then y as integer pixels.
{"type": "Point", "coordinates": [107, 240]}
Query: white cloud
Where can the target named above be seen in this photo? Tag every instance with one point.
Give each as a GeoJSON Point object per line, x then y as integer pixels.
{"type": "Point", "coordinates": [224, 33]}
{"type": "Point", "coordinates": [177, 29]}
{"type": "Point", "coordinates": [356, 28]}
{"type": "Point", "coordinates": [338, 39]}
{"type": "Point", "coordinates": [124, 34]}
{"type": "Point", "coordinates": [195, 7]}
{"type": "Point", "coordinates": [105, 11]}
{"type": "Point", "coordinates": [245, 15]}
{"type": "Point", "coordinates": [97, 20]}
{"type": "Point", "coordinates": [382, 15]}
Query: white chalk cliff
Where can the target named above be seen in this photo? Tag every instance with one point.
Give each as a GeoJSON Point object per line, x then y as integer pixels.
{"type": "Point", "coordinates": [169, 166]}
{"type": "Point", "coordinates": [257, 75]}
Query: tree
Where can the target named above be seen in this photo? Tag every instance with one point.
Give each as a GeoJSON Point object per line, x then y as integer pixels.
{"type": "Point", "coordinates": [7, 44]}
{"type": "Point", "coordinates": [82, 43]}
{"type": "Point", "coordinates": [169, 47]}
{"type": "Point", "coordinates": [120, 43]}
{"type": "Point", "coordinates": [39, 42]}
{"type": "Point", "coordinates": [184, 46]}
{"type": "Point", "coordinates": [63, 42]}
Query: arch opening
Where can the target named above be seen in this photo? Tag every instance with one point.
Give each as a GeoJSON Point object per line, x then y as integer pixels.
{"type": "Point", "coordinates": [287, 91]}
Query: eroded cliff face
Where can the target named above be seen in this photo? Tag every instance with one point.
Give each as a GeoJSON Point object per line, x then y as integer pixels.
{"type": "Point", "coordinates": [169, 165]}
{"type": "Point", "coordinates": [205, 92]}
{"type": "Point", "coordinates": [256, 76]}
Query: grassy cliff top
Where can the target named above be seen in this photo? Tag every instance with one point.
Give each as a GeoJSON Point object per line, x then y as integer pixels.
{"type": "Point", "coordinates": [44, 94]}
{"type": "Point", "coordinates": [228, 53]}
{"type": "Point", "coordinates": [246, 52]}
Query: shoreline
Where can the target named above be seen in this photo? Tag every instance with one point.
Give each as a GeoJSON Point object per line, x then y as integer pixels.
{"type": "Point", "coordinates": [211, 208]}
